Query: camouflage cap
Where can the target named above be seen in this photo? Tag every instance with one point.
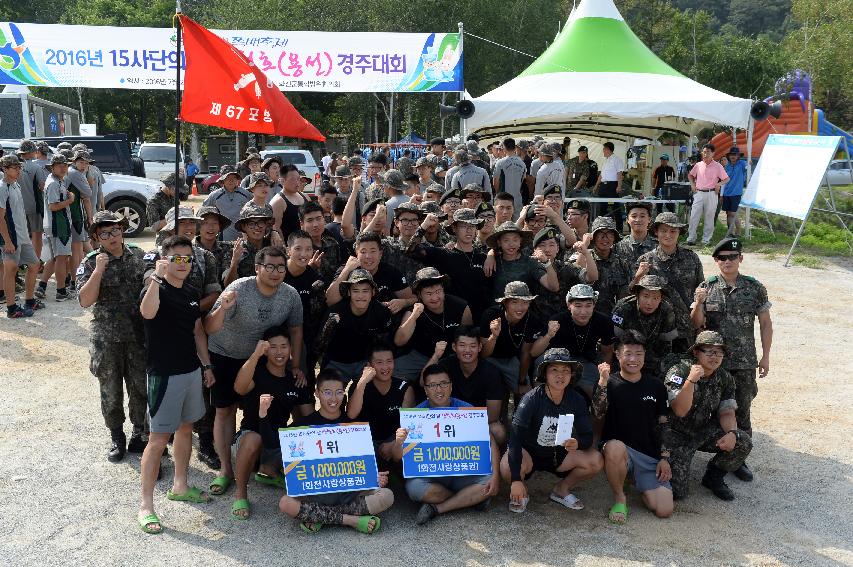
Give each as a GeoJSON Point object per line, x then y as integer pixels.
{"type": "Point", "coordinates": [79, 148]}
{"type": "Point", "coordinates": [428, 276]}
{"type": "Point", "coordinates": [102, 218]}
{"type": "Point", "coordinates": [407, 207]}
{"type": "Point", "coordinates": [370, 206]}
{"type": "Point", "coordinates": [449, 194]}
{"type": "Point", "coordinates": [546, 233]}
{"type": "Point", "coordinates": [474, 188]}
{"type": "Point", "coordinates": [670, 219]}
{"type": "Point", "coordinates": [581, 291]}
{"type": "Point", "coordinates": [461, 156]}
{"type": "Point", "coordinates": [82, 154]}
{"type": "Point", "coordinates": [253, 157]}
{"type": "Point", "coordinates": [358, 275]}
{"type": "Point", "coordinates": [10, 160]}
{"type": "Point", "coordinates": [259, 177]}
{"type": "Point", "coordinates": [184, 213]}
{"type": "Point", "coordinates": [26, 147]}
{"type": "Point", "coordinates": [424, 162]}
{"type": "Point", "coordinates": [271, 160]}
{"type": "Point", "coordinates": [63, 146]}
{"type": "Point", "coordinates": [546, 150]}
{"type": "Point", "coordinates": [355, 161]}
{"type": "Point", "coordinates": [169, 180]}
{"type": "Point", "coordinates": [43, 147]}
{"type": "Point", "coordinates": [252, 211]}
{"type": "Point", "coordinates": [57, 159]}
{"type": "Point", "coordinates": [559, 356]}
{"type": "Point", "coordinates": [516, 290]}
{"type": "Point", "coordinates": [224, 222]}
{"type": "Point", "coordinates": [709, 338]}
{"type": "Point", "coordinates": [509, 227]}
{"type": "Point", "coordinates": [343, 171]}
{"type": "Point", "coordinates": [484, 208]}
{"type": "Point", "coordinates": [394, 179]}
{"type": "Point", "coordinates": [468, 216]}
{"type": "Point", "coordinates": [432, 208]}
{"type": "Point", "coordinates": [728, 245]}
{"type": "Point", "coordinates": [650, 282]}
{"type": "Point", "coordinates": [435, 188]}
{"type": "Point", "coordinates": [67, 153]}
{"type": "Point", "coordinates": [605, 223]}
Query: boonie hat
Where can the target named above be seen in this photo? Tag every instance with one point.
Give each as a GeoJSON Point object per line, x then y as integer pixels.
{"type": "Point", "coordinates": [709, 338]}
{"type": "Point", "coordinates": [106, 217]}
{"type": "Point", "coordinates": [428, 276]}
{"type": "Point", "coordinates": [184, 213]}
{"type": "Point", "coordinates": [650, 282]}
{"type": "Point", "coordinates": [208, 210]}
{"type": "Point", "coordinates": [559, 356]}
{"type": "Point", "coordinates": [358, 275]}
{"type": "Point", "coordinates": [516, 290]}
{"type": "Point", "coordinates": [581, 291]}
{"type": "Point", "coordinates": [26, 147]}
{"type": "Point", "coordinates": [605, 223]}
{"type": "Point", "coordinates": [670, 219]}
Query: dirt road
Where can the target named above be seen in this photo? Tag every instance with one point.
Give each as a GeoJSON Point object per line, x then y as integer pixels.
{"type": "Point", "coordinates": [63, 503]}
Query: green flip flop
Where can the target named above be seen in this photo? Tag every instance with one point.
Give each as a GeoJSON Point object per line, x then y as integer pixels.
{"type": "Point", "coordinates": [241, 504]}
{"type": "Point", "coordinates": [311, 527]}
{"type": "Point", "coordinates": [145, 521]}
{"type": "Point", "coordinates": [193, 494]}
{"type": "Point", "coordinates": [363, 525]}
{"type": "Point", "coordinates": [618, 508]}
{"type": "Point", "coordinates": [219, 485]}
{"type": "Point", "coordinates": [276, 481]}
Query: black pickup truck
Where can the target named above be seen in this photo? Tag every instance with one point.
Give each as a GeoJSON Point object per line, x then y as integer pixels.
{"type": "Point", "coordinates": [111, 152]}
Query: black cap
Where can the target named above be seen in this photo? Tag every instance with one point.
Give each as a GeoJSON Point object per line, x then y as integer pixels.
{"type": "Point", "coordinates": [545, 234]}
{"type": "Point", "coordinates": [437, 141]}
{"type": "Point", "coordinates": [728, 245]}
{"type": "Point", "coordinates": [579, 204]}
{"type": "Point", "coordinates": [583, 149]}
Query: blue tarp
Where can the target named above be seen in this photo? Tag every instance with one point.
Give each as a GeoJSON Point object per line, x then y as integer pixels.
{"type": "Point", "coordinates": [827, 128]}
{"type": "Point", "coordinates": [412, 138]}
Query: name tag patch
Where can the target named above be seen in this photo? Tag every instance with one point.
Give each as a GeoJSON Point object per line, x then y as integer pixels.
{"type": "Point", "coordinates": [677, 379]}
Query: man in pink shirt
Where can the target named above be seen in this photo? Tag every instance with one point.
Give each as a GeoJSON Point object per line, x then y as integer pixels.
{"type": "Point", "coordinates": [706, 179]}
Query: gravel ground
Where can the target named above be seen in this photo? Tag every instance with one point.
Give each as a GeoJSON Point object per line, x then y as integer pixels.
{"type": "Point", "coordinates": [62, 502]}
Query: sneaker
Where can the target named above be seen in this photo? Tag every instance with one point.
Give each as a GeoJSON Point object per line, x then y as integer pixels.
{"type": "Point", "coordinates": [690, 243]}
{"type": "Point", "coordinates": [63, 295]}
{"type": "Point", "coordinates": [426, 513]}
{"type": "Point", "coordinates": [40, 292]}
{"type": "Point", "coordinates": [35, 304]}
{"type": "Point", "coordinates": [16, 312]}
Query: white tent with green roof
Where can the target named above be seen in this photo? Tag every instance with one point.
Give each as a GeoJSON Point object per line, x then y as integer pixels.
{"type": "Point", "coordinates": [598, 81]}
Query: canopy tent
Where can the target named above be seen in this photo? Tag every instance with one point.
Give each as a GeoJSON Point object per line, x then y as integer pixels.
{"type": "Point", "coordinates": [599, 81]}
{"type": "Point", "coordinates": [413, 138]}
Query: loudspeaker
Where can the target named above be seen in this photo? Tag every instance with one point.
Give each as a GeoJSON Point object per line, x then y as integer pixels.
{"type": "Point", "coordinates": [463, 108]}
{"type": "Point", "coordinates": [762, 110]}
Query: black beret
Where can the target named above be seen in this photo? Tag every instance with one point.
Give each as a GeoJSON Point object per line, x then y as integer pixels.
{"type": "Point", "coordinates": [728, 245]}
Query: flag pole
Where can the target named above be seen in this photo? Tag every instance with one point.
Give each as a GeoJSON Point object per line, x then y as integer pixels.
{"type": "Point", "coordinates": [178, 114]}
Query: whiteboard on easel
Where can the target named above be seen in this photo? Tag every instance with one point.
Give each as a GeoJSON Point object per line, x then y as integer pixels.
{"type": "Point", "coordinates": [789, 174]}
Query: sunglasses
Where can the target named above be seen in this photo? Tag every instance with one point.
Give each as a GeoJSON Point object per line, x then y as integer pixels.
{"type": "Point", "coordinates": [715, 352]}
{"type": "Point", "coordinates": [725, 257]}
{"type": "Point", "coordinates": [179, 259]}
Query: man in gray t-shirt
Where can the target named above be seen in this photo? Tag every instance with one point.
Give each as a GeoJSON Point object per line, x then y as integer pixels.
{"type": "Point", "coordinates": [248, 307]}
{"type": "Point", "coordinates": [509, 174]}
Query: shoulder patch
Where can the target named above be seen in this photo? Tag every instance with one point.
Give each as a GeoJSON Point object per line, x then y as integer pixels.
{"type": "Point", "coordinates": [81, 269]}
{"type": "Point", "coordinates": [92, 253]}
{"type": "Point", "coordinates": [712, 279]}
{"type": "Point", "coordinates": [617, 319]}
{"type": "Point", "coordinates": [131, 245]}
{"type": "Point", "coordinates": [676, 379]}
{"type": "Point", "coordinates": [150, 256]}
{"type": "Point", "coordinates": [749, 278]}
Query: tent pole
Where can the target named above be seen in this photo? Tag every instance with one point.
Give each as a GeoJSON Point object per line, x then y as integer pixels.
{"type": "Point", "coordinates": [747, 228]}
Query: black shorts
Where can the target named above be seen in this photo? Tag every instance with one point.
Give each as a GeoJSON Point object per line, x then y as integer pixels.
{"type": "Point", "coordinates": [222, 394]}
{"type": "Point", "coordinates": [730, 204]}
{"type": "Point", "coordinates": [549, 462]}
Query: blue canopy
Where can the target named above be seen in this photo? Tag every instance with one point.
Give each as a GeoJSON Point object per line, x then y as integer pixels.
{"type": "Point", "coordinates": [412, 138]}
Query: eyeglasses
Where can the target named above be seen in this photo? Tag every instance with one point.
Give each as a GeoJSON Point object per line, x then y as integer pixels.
{"type": "Point", "coordinates": [115, 231]}
{"type": "Point", "coordinates": [453, 202]}
{"type": "Point", "coordinates": [554, 198]}
{"type": "Point", "coordinates": [408, 221]}
{"type": "Point", "coordinates": [178, 259]}
{"type": "Point", "coordinates": [280, 268]}
{"type": "Point", "coordinates": [486, 217]}
{"type": "Point", "coordinates": [727, 257]}
{"type": "Point", "coordinates": [257, 224]}
{"type": "Point", "coordinates": [332, 393]}
{"type": "Point", "coordinates": [437, 385]}
{"type": "Point", "coordinates": [715, 352]}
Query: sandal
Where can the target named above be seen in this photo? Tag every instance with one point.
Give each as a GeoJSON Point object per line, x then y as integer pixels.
{"type": "Point", "coordinates": [238, 506]}
{"type": "Point", "coordinates": [311, 527]}
{"type": "Point", "coordinates": [615, 510]}
{"type": "Point", "coordinates": [276, 481]}
{"type": "Point", "coordinates": [569, 501]}
{"type": "Point", "coordinates": [519, 507]}
{"type": "Point", "coordinates": [219, 485]}
{"type": "Point", "coordinates": [146, 521]}
{"type": "Point", "coordinates": [363, 524]}
{"type": "Point", "coordinates": [193, 494]}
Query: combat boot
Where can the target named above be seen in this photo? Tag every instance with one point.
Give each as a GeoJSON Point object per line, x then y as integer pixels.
{"type": "Point", "coordinates": [743, 473]}
{"type": "Point", "coordinates": [713, 480]}
{"type": "Point", "coordinates": [118, 447]}
{"type": "Point", "coordinates": [207, 452]}
{"type": "Point", "coordinates": [137, 441]}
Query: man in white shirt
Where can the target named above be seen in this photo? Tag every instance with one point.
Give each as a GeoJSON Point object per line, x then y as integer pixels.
{"type": "Point", "coordinates": [610, 184]}
{"type": "Point", "coordinates": [552, 171]}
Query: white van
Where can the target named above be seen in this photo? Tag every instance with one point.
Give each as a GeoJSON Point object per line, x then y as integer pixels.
{"type": "Point", "coordinates": [159, 160]}
{"type": "Point", "coordinates": [303, 160]}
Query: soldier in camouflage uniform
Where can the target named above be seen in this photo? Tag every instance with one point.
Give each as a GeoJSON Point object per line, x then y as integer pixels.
{"type": "Point", "coordinates": [702, 417]}
{"type": "Point", "coordinates": [649, 313]}
{"type": "Point", "coordinates": [547, 302]}
{"type": "Point", "coordinates": [577, 174]}
{"type": "Point", "coordinates": [729, 303]}
{"type": "Point", "coordinates": [638, 241]}
{"type": "Point", "coordinates": [161, 202]}
{"type": "Point", "coordinates": [212, 224]}
{"type": "Point", "coordinates": [614, 274]}
{"type": "Point", "coordinates": [255, 223]}
{"type": "Point", "coordinates": [435, 235]}
{"type": "Point", "coordinates": [110, 280]}
{"type": "Point", "coordinates": [311, 220]}
{"type": "Point", "coordinates": [407, 217]}
{"type": "Point", "coordinates": [680, 267]}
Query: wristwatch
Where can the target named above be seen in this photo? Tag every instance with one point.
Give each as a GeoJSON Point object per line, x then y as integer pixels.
{"type": "Point", "coordinates": [157, 278]}
{"type": "Point", "coordinates": [206, 367]}
{"type": "Point", "coordinates": [736, 432]}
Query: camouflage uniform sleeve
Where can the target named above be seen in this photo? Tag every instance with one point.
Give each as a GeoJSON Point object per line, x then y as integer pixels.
{"type": "Point", "coordinates": [668, 330]}
{"type": "Point", "coordinates": [149, 260]}
{"type": "Point", "coordinates": [599, 402]}
{"type": "Point", "coordinates": [211, 277]}
{"type": "Point", "coordinates": [727, 392]}
{"type": "Point", "coordinates": [152, 211]}
{"type": "Point", "coordinates": [762, 300]}
{"type": "Point", "coordinates": [85, 269]}
{"type": "Point", "coordinates": [675, 378]}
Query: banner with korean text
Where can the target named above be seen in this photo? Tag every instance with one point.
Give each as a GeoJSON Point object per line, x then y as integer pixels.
{"type": "Point", "coordinates": [54, 55]}
{"type": "Point", "coordinates": [446, 442]}
{"type": "Point", "coordinates": [322, 459]}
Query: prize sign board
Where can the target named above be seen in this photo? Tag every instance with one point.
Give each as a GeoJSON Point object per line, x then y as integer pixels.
{"type": "Point", "coordinates": [55, 55]}
{"type": "Point", "coordinates": [321, 459]}
{"type": "Point", "coordinates": [446, 442]}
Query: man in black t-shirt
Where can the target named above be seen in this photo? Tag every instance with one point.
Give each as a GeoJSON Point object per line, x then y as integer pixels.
{"type": "Point", "coordinates": [265, 373]}
{"type": "Point", "coordinates": [302, 274]}
{"type": "Point", "coordinates": [177, 353]}
{"type": "Point", "coordinates": [377, 398]}
{"type": "Point", "coordinates": [634, 409]}
{"type": "Point", "coordinates": [587, 334]}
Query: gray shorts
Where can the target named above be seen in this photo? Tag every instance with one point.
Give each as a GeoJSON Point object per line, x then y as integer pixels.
{"type": "Point", "coordinates": [417, 487]}
{"type": "Point", "coordinates": [409, 366]}
{"type": "Point", "coordinates": [349, 370]}
{"type": "Point", "coordinates": [509, 369]}
{"type": "Point", "coordinates": [269, 457]}
{"type": "Point", "coordinates": [23, 255]}
{"type": "Point", "coordinates": [81, 236]}
{"type": "Point", "coordinates": [173, 400]}
{"type": "Point", "coordinates": [36, 222]}
{"type": "Point", "coordinates": [644, 470]}
{"type": "Point", "coordinates": [57, 248]}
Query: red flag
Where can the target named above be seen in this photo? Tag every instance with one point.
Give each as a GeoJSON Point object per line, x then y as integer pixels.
{"type": "Point", "coordinates": [223, 88]}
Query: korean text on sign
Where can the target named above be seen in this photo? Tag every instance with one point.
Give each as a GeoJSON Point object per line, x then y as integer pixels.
{"type": "Point", "coordinates": [446, 442]}
{"type": "Point", "coordinates": [328, 458]}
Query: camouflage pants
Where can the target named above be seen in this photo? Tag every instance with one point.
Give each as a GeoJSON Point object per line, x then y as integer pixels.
{"type": "Point", "coordinates": [312, 512]}
{"type": "Point", "coordinates": [683, 446]}
{"type": "Point", "coordinates": [117, 365]}
{"type": "Point", "coordinates": [746, 388]}
{"type": "Point", "coordinates": [204, 426]}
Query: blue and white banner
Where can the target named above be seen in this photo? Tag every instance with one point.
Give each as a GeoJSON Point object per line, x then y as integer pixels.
{"type": "Point", "coordinates": [328, 458]}
{"type": "Point", "coordinates": [54, 55]}
{"type": "Point", "coordinates": [446, 442]}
